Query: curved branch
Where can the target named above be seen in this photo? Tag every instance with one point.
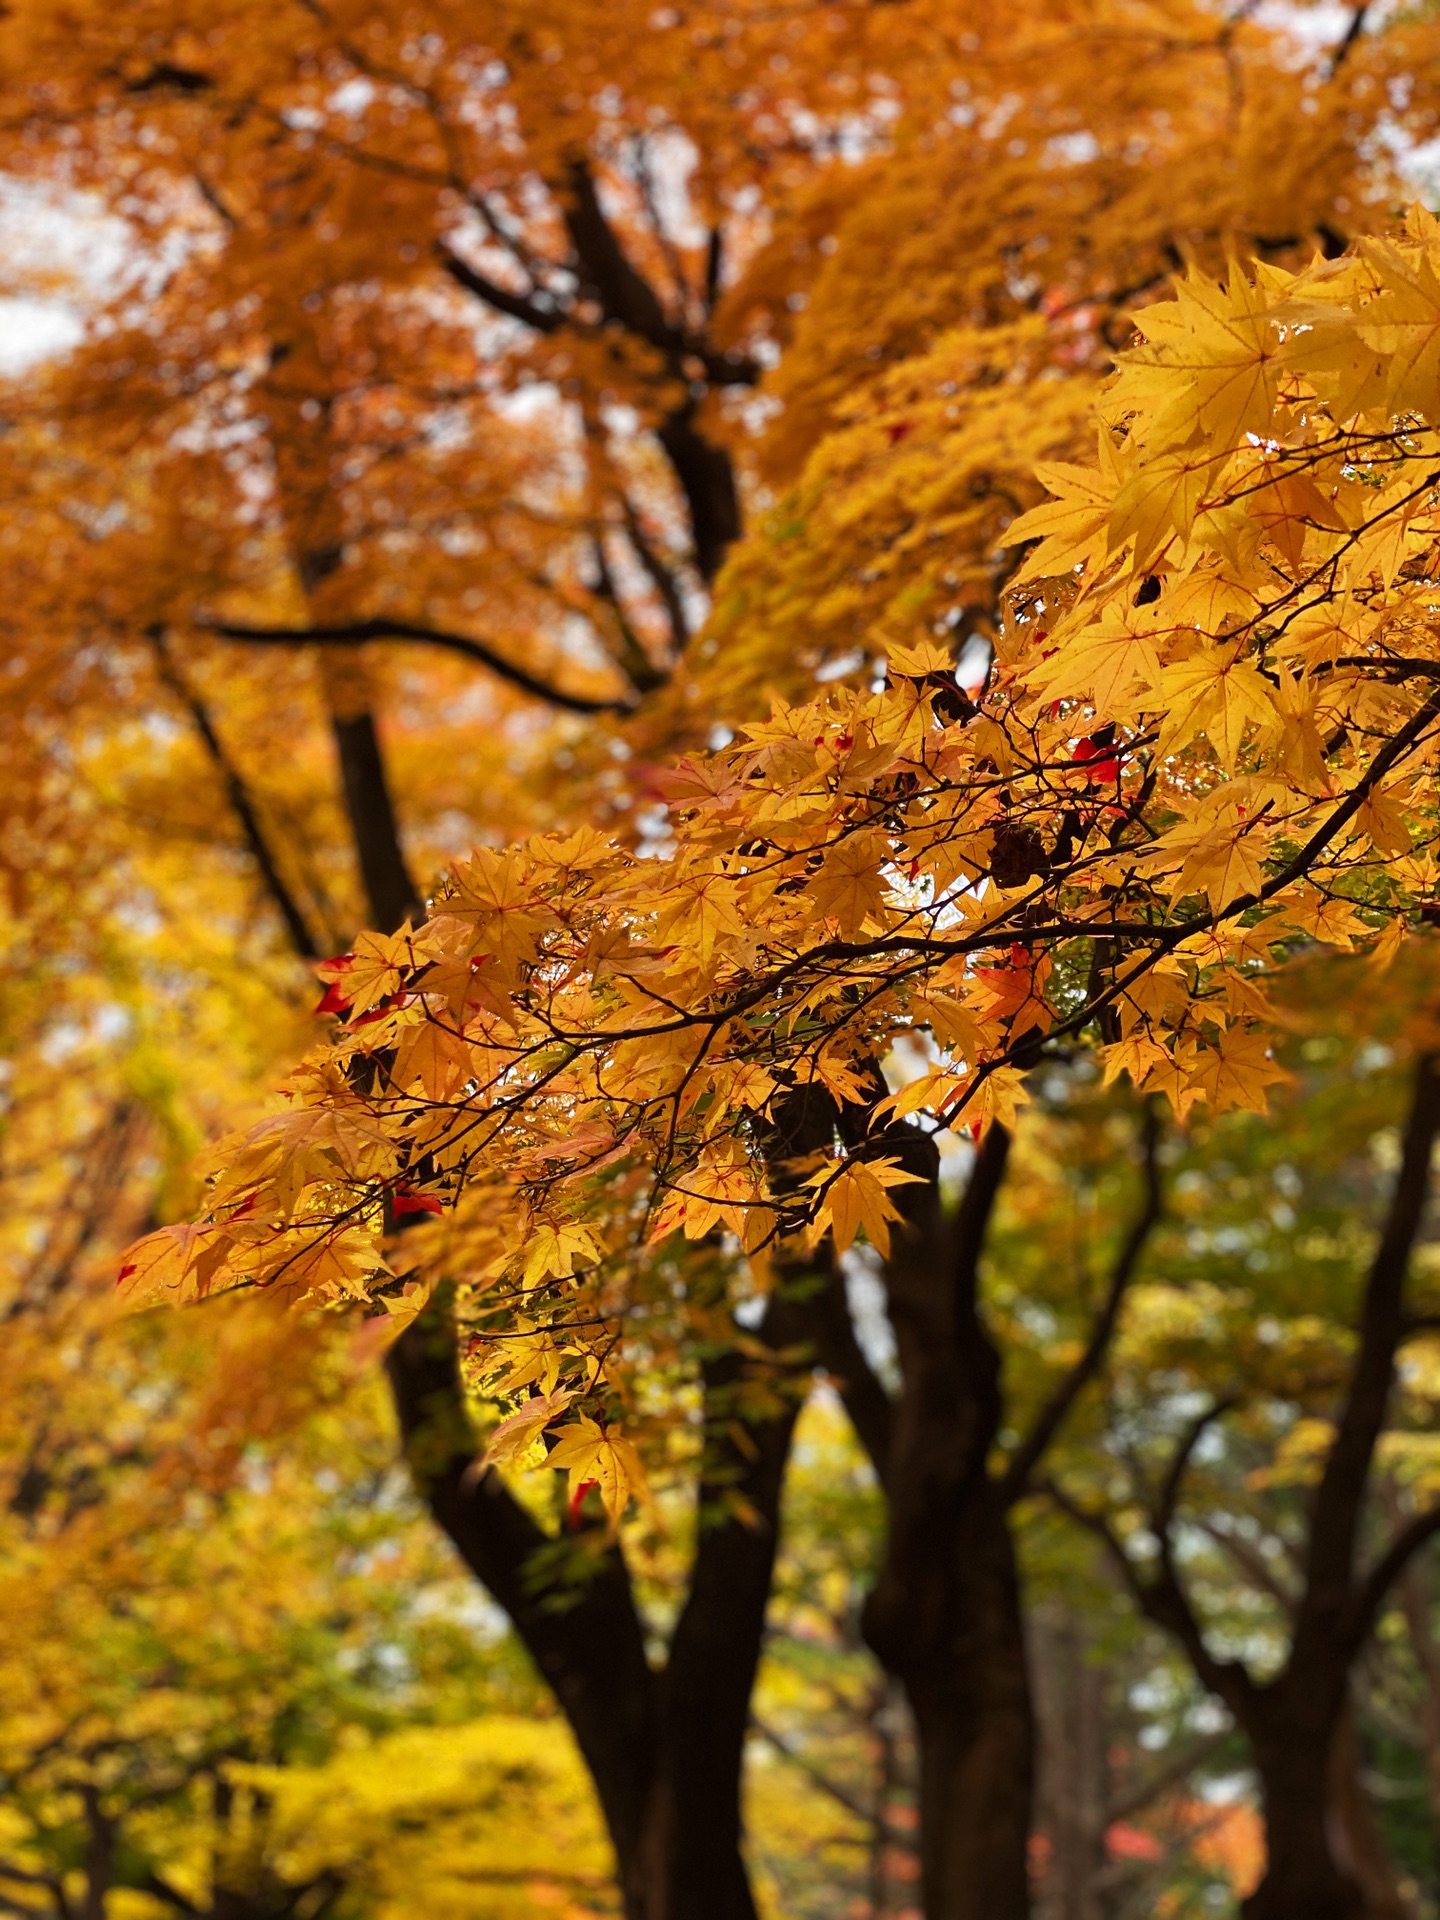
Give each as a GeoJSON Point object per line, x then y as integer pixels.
{"type": "Point", "coordinates": [1339, 1500]}
{"type": "Point", "coordinates": [1051, 1417]}
{"type": "Point", "coordinates": [301, 938]}
{"type": "Point", "coordinates": [1383, 1575]}
{"type": "Point", "coordinates": [862, 1392]}
{"type": "Point", "coordinates": [587, 1641]}
{"type": "Point", "coordinates": [516, 306]}
{"type": "Point", "coordinates": [359, 633]}
{"type": "Point", "coordinates": [1164, 1601]}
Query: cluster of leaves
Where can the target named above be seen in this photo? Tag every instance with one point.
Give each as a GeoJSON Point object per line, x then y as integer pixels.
{"type": "Point", "coordinates": [1207, 734]}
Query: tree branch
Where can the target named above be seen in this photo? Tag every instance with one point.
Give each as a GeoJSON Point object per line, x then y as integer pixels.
{"type": "Point", "coordinates": [1163, 1598]}
{"type": "Point", "coordinates": [390, 892]}
{"type": "Point", "coordinates": [1352, 34]}
{"type": "Point", "coordinates": [1330, 1561]}
{"type": "Point", "coordinates": [1365, 1607]}
{"type": "Point", "coordinates": [709, 1676]}
{"type": "Point", "coordinates": [973, 1218]}
{"type": "Point", "coordinates": [894, 1836]}
{"type": "Point", "coordinates": [516, 306]}
{"type": "Point", "coordinates": [662, 579]}
{"type": "Point", "coordinates": [634, 662]}
{"type": "Point", "coordinates": [862, 1392]}
{"type": "Point", "coordinates": [1251, 1563]}
{"type": "Point", "coordinates": [296, 926]}
{"type": "Point", "coordinates": [1177, 1769]}
{"type": "Point", "coordinates": [359, 633]}
{"type": "Point", "coordinates": [1051, 1417]}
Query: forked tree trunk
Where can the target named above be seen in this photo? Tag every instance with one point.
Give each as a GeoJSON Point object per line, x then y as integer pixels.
{"type": "Point", "coordinates": [1315, 1870]}
{"type": "Point", "coordinates": [664, 1747]}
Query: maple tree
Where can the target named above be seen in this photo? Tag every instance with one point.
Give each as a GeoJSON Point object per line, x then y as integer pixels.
{"type": "Point", "coordinates": [336, 458]}
{"type": "Point", "coordinates": [617, 1040]}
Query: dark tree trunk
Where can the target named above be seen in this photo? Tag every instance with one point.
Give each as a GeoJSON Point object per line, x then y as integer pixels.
{"type": "Point", "coordinates": [954, 1636]}
{"type": "Point", "coordinates": [390, 893]}
{"type": "Point", "coordinates": [691, 1865]}
{"type": "Point", "coordinates": [1304, 1879]}
{"type": "Point", "coordinates": [945, 1616]}
{"type": "Point", "coordinates": [664, 1749]}
{"type": "Point", "coordinates": [1316, 1869]}
{"type": "Point", "coordinates": [707, 479]}
{"type": "Point", "coordinates": [590, 1650]}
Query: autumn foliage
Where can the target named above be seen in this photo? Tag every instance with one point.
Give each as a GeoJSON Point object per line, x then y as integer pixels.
{"type": "Point", "coordinates": [849, 593]}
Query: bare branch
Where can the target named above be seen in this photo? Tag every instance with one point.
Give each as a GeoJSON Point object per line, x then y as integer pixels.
{"type": "Point", "coordinates": [1250, 1562]}
{"type": "Point", "coordinates": [1351, 35]}
{"type": "Point", "coordinates": [1340, 1497]}
{"type": "Point", "coordinates": [1051, 1417]}
{"type": "Point", "coordinates": [296, 926]}
{"type": "Point", "coordinates": [1170, 1775]}
{"type": "Point", "coordinates": [517, 306]}
{"type": "Point", "coordinates": [894, 1836]}
{"type": "Point", "coordinates": [359, 633]}
{"type": "Point", "coordinates": [1367, 1603]}
{"type": "Point", "coordinates": [639, 669]}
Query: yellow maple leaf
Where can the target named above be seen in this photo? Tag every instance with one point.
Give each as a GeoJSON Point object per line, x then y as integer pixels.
{"type": "Point", "coordinates": [1071, 528]}
{"type": "Point", "coordinates": [857, 1197]}
{"type": "Point", "coordinates": [703, 909]}
{"type": "Point", "coordinates": [435, 1055]}
{"type": "Point", "coordinates": [552, 1247]}
{"type": "Point", "coordinates": [373, 971]}
{"type": "Point", "coordinates": [1402, 324]}
{"type": "Point", "coordinates": [516, 1435]}
{"type": "Point", "coordinates": [1382, 817]}
{"type": "Point", "coordinates": [986, 1099]}
{"type": "Point", "coordinates": [324, 1263]}
{"type": "Point", "coordinates": [179, 1261]}
{"type": "Point", "coordinates": [1159, 501]}
{"type": "Point", "coordinates": [1212, 360]}
{"type": "Point", "coordinates": [1236, 1071]}
{"type": "Point", "coordinates": [1138, 1056]}
{"type": "Point", "coordinates": [603, 1458]}
{"type": "Point", "coordinates": [1218, 693]}
{"type": "Point", "coordinates": [850, 886]}
{"type": "Point", "coordinates": [1102, 663]}
{"type": "Point", "coordinates": [1225, 864]}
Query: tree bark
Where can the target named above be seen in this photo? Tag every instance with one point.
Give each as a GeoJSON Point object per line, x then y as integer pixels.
{"type": "Point", "coordinates": [590, 1649]}
{"type": "Point", "coordinates": [1313, 1869]}
{"type": "Point", "coordinates": [390, 892]}
{"type": "Point", "coordinates": [945, 1615]}
{"type": "Point", "coordinates": [692, 1865]}
{"type": "Point", "coordinates": [1307, 1876]}
{"type": "Point", "coordinates": [1304, 1879]}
